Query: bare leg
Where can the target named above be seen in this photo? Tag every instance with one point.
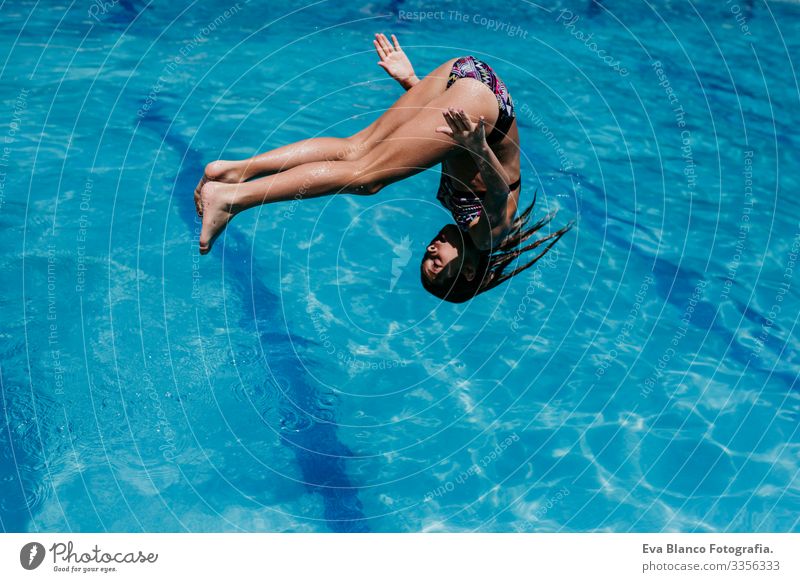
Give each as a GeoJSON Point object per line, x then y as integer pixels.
{"type": "Point", "coordinates": [411, 148]}
{"type": "Point", "coordinates": [329, 148]}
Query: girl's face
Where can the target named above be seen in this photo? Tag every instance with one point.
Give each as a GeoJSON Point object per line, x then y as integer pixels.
{"type": "Point", "coordinates": [444, 257]}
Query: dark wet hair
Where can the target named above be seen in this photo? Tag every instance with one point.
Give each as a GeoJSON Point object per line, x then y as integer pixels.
{"type": "Point", "coordinates": [490, 271]}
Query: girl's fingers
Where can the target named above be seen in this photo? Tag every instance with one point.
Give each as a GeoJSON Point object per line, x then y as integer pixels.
{"type": "Point", "coordinates": [445, 130]}
{"type": "Point", "coordinates": [448, 116]}
{"type": "Point", "coordinates": [458, 116]}
{"type": "Point", "coordinates": [455, 121]}
{"type": "Point", "coordinates": [385, 42]}
{"type": "Point", "coordinates": [396, 44]}
{"type": "Point", "coordinates": [459, 121]}
{"type": "Point", "coordinates": [379, 48]}
{"type": "Point", "coordinates": [465, 119]}
{"type": "Point", "coordinates": [462, 123]}
{"type": "Point", "coordinates": [468, 122]}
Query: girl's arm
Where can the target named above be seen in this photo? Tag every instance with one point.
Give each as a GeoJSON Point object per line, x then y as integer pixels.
{"type": "Point", "coordinates": [394, 61]}
{"type": "Point", "coordinates": [495, 220]}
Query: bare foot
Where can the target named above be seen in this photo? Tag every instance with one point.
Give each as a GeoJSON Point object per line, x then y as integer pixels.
{"type": "Point", "coordinates": [219, 171]}
{"type": "Point", "coordinates": [216, 200]}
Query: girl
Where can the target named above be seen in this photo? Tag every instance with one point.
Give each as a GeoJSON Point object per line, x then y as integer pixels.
{"type": "Point", "coordinates": [478, 147]}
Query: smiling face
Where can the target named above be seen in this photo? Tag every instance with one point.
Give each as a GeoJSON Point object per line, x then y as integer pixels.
{"type": "Point", "coordinates": [446, 257]}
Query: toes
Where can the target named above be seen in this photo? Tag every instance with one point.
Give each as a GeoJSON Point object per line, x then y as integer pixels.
{"type": "Point", "coordinates": [219, 171]}
{"type": "Point", "coordinates": [214, 219]}
{"type": "Point", "coordinates": [198, 200]}
{"type": "Point", "coordinates": [212, 172]}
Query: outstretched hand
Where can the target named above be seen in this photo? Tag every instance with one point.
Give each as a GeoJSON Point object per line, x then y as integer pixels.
{"type": "Point", "coordinates": [394, 61]}
{"type": "Point", "coordinates": [471, 136]}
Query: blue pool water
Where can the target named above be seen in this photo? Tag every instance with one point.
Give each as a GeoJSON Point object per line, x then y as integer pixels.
{"type": "Point", "coordinates": [643, 377]}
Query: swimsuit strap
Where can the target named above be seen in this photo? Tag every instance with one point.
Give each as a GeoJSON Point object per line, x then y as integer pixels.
{"type": "Point", "coordinates": [513, 186]}
{"type": "Point", "coordinates": [464, 205]}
